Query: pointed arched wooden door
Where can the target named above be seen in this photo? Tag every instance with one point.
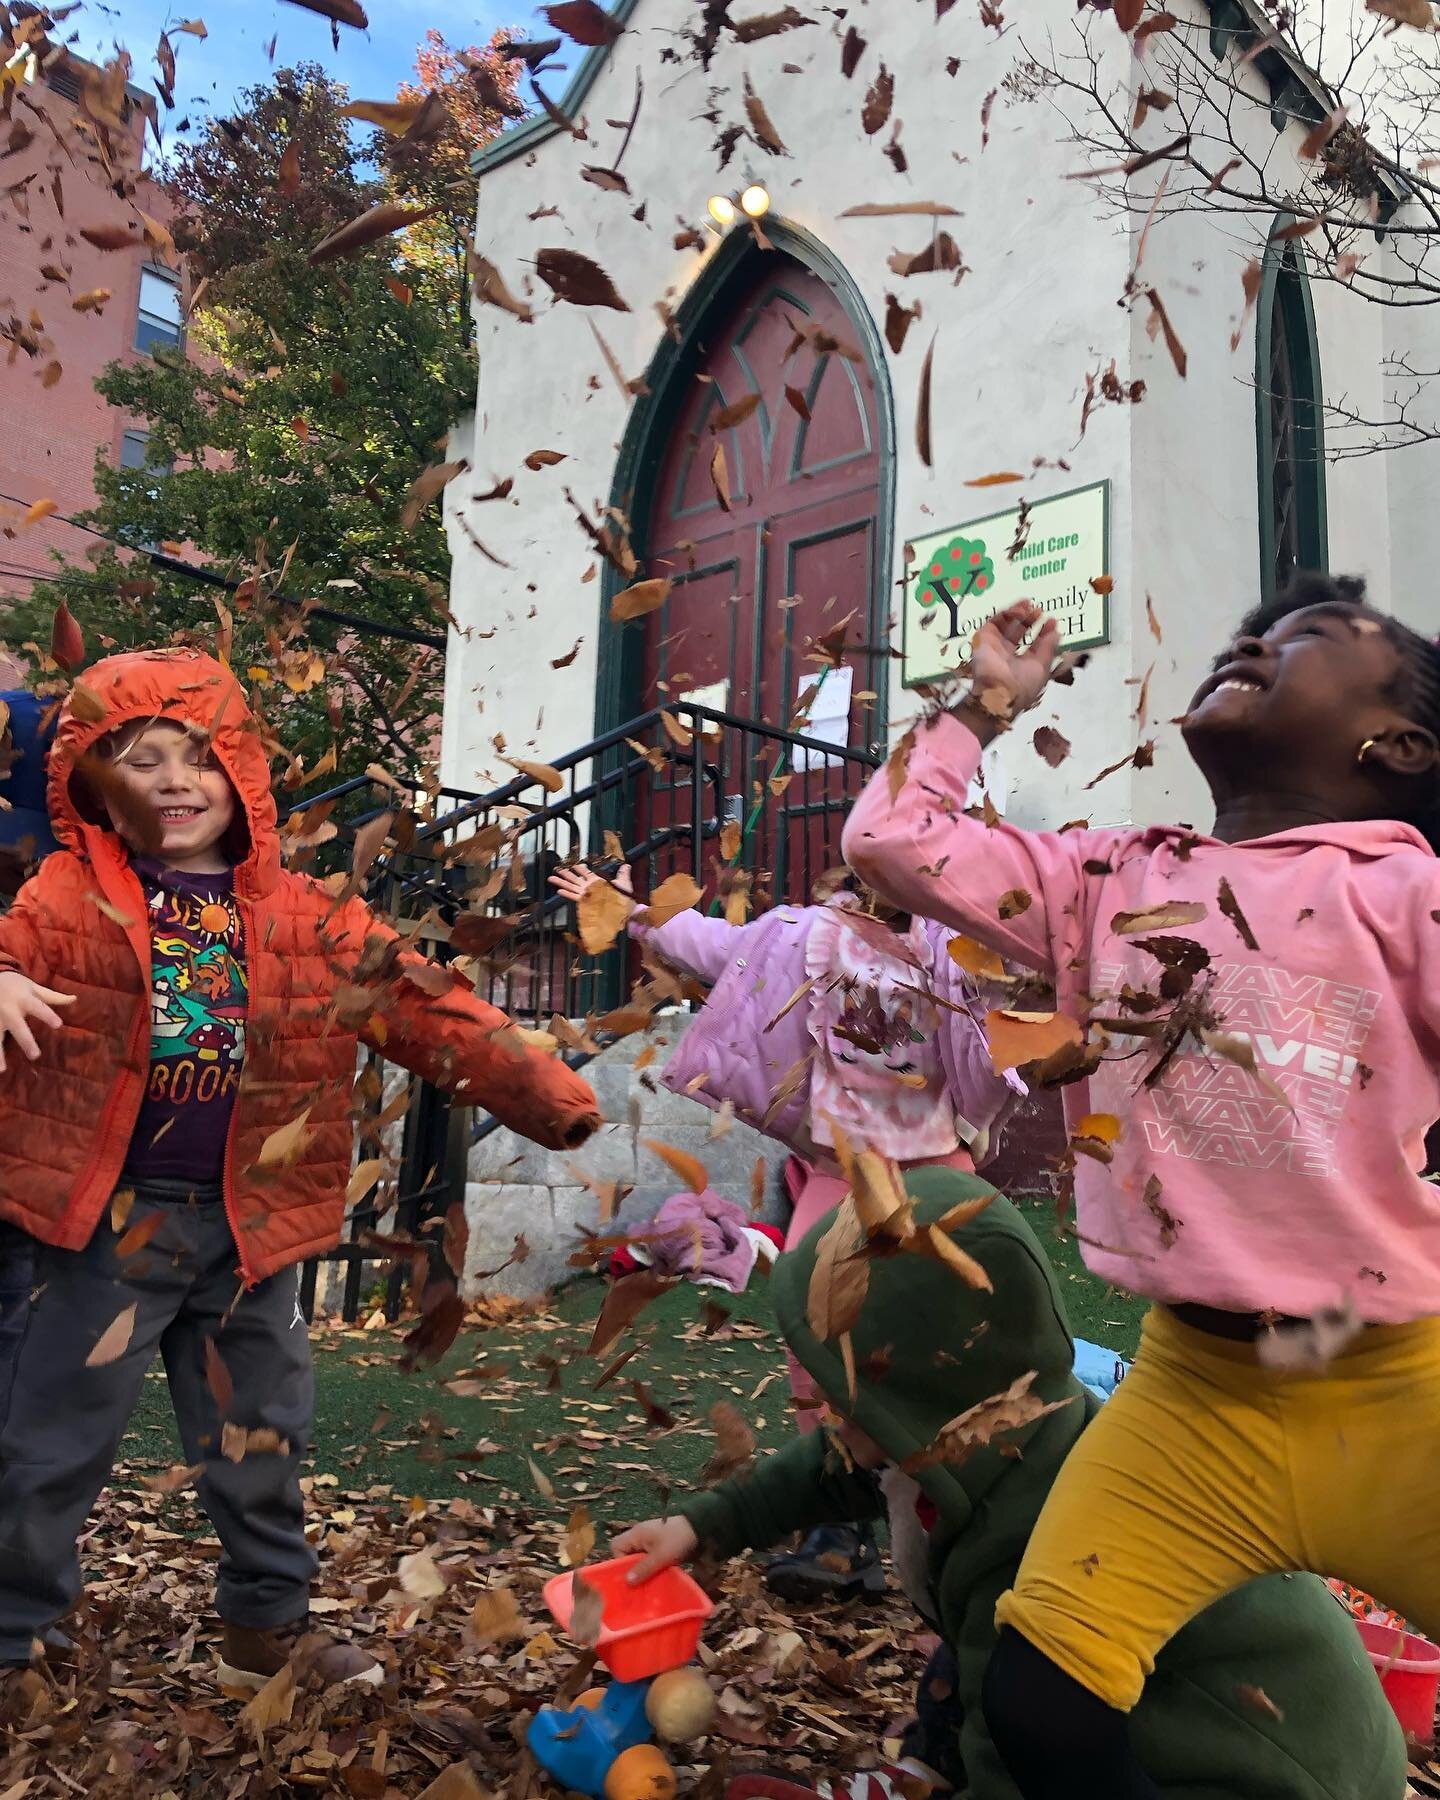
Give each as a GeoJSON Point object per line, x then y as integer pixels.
{"type": "Point", "coordinates": [776, 540]}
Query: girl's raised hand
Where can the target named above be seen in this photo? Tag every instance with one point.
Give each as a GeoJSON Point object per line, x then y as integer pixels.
{"type": "Point", "coordinates": [659, 1543]}
{"type": "Point", "coordinates": [998, 662]}
{"type": "Point", "coordinates": [574, 881]}
{"type": "Point", "coordinates": [24, 1003]}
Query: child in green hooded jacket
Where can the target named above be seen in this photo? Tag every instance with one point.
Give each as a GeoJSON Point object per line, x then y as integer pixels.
{"type": "Point", "coordinates": [1268, 1695]}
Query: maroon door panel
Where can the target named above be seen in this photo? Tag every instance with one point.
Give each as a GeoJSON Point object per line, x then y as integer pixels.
{"type": "Point", "coordinates": [795, 552]}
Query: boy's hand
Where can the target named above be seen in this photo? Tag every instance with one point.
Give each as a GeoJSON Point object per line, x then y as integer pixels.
{"type": "Point", "coordinates": [575, 881]}
{"type": "Point", "coordinates": [998, 666]}
{"type": "Point", "coordinates": [24, 1003]}
{"type": "Point", "coordinates": [660, 1543]}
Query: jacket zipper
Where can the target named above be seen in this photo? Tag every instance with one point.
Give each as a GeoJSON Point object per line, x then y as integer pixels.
{"type": "Point", "coordinates": [139, 1024]}
{"type": "Point", "coordinates": [227, 1173]}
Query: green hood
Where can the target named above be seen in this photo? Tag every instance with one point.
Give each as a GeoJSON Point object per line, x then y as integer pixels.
{"type": "Point", "coordinates": [928, 1346]}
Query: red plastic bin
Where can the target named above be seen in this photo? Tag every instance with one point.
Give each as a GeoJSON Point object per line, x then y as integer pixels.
{"type": "Point", "coordinates": [643, 1630]}
{"type": "Point", "coordinates": [1409, 1671]}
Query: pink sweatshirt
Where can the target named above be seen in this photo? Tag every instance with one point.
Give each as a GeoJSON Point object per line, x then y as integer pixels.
{"type": "Point", "coordinates": [1297, 1193]}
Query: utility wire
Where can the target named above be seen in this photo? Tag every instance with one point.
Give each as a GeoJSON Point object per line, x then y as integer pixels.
{"type": "Point", "coordinates": [173, 565]}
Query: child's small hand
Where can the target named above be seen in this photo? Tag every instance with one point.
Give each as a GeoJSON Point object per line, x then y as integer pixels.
{"type": "Point", "coordinates": [574, 881]}
{"type": "Point", "coordinates": [660, 1544]}
{"type": "Point", "coordinates": [24, 1002]}
{"type": "Point", "coordinates": [997, 661]}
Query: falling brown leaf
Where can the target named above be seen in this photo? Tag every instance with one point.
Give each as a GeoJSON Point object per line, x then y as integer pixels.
{"type": "Point", "coordinates": [34, 512]}
{"type": "Point", "coordinates": [579, 1538]}
{"type": "Point", "coordinates": [1163, 917]}
{"type": "Point", "coordinates": [976, 959]}
{"type": "Point", "coordinates": [957, 1441]}
{"type": "Point", "coordinates": [287, 178]}
{"type": "Point", "coordinates": [67, 641]}
{"type": "Point", "coordinates": [378, 222]}
{"type": "Point", "coordinates": [894, 209]}
{"type": "Point", "coordinates": [51, 374]}
{"type": "Point", "coordinates": [275, 1702]}
{"type": "Point", "coordinates": [625, 1300]}
{"type": "Point", "coordinates": [1051, 744]}
{"type": "Point", "coordinates": [999, 479]}
{"type": "Point", "coordinates": [401, 290]}
{"type": "Point", "coordinates": [1128, 13]}
{"type": "Point", "coordinates": [393, 116]}
{"type": "Point", "coordinates": [689, 1168]}
{"type": "Point", "coordinates": [344, 12]}
{"type": "Point", "coordinates": [798, 402]}
{"type": "Point", "coordinates": [720, 477]}
{"type": "Point", "coordinates": [363, 1177]}
{"type": "Point", "coordinates": [1159, 320]}
{"type": "Point", "coordinates": [114, 1341]}
{"type": "Point", "coordinates": [764, 25]}
{"type": "Point", "coordinates": [734, 1444]}
{"type": "Point", "coordinates": [586, 1612]}
{"type": "Point", "coordinates": [839, 1278]}
{"type": "Point", "coordinates": [564, 662]}
{"type": "Point", "coordinates": [760, 122]}
{"type": "Point", "coordinates": [583, 22]}
{"type": "Point", "coordinates": [543, 459]}
{"type": "Point", "coordinates": [851, 51]}
{"type": "Point", "coordinates": [287, 1143]}
{"type": "Point", "coordinates": [110, 237]}
{"type": "Point", "coordinates": [575, 278]}
{"type": "Point", "coordinates": [140, 1234]}
{"type": "Point", "coordinates": [1017, 1038]}
{"type": "Point", "coordinates": [546, 774]}
{"type": "Point", "coordinates": [736, 413]}
{"type": "Point", "coordinates": [676, 894]}
{"type": "Point", "coordinates": [602, 911]}
{"type": "Point", "coordinates": [922, 407]}
{"type": "Point", "coordinates": [643, 597]}
{"type": "Point", "coordinates": [93, 300]}
{"type": "Point", "coordinates": [898, 320]}
{"type": "Point", "coordinates": [495, 1616]}
{"type": "Point", "coordinates": [419, 1577]}
{"type": "Point", "coordinates": [1230, 906]}
{"type": "Point", "coordinates": [490, 287]}
{"type": "Point", "coordinates": [423, 489]}
{"type": "Point", "coordinates": [879, 102]}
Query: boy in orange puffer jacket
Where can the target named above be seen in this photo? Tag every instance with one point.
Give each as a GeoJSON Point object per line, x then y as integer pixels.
{"type": "Point", "coordinates": [170, 998]}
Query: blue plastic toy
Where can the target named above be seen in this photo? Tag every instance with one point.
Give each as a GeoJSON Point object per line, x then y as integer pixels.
{"type": "Point", "coordinates": [645, 1631]}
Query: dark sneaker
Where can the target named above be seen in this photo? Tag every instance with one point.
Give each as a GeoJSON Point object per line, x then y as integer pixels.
{"type": "Point", "coordinates": [248, 1658]}
{"type": "Point", "coordinates": [835, 1562]}
{"type": "Point", "coordinates": [891, 1781]}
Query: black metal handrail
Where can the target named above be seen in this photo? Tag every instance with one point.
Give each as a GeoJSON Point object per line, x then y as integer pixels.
{"type": "Point", "coordinates": [662, 789]}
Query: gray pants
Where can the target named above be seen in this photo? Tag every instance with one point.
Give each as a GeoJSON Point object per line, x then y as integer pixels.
{"type": "Point", "coordinates": [65, 1420]}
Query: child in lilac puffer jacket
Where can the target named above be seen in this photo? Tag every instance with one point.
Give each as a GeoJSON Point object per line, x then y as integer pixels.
{"type": "Point", "coordinates": [821, 1017]}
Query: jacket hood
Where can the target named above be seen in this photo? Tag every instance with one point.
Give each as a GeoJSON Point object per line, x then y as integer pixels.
{"type": "Point", "coordinates": [928, 1347]}
{"type": "Point", "coordinates": [177, 684]}
{"type": "Point", "coordinates": [1360, 838]}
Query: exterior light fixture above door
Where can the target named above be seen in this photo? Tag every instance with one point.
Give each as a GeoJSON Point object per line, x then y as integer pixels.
{"type": "Point", "coordinates": [753, 201]}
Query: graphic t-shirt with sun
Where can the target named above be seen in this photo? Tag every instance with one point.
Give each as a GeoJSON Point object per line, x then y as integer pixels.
{"type": "Point", "coordinates": [197, 1026]}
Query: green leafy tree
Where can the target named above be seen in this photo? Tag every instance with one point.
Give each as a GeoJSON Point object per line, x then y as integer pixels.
{"type": "Point", "coordinates": [284, 445]}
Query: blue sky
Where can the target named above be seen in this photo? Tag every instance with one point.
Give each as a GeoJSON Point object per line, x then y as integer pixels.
{"type": "Point", "coordinates": [210, 72]}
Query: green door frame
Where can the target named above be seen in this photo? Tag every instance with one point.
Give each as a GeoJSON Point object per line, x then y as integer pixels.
{"type": "Point", "coordinates": [1285, 284]}
{"type": "Point", "coordinates": [647, 435]}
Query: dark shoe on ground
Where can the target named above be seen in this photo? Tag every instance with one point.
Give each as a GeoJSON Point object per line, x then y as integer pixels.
{"type": "Point", "coordinates": [891, 1781]}
{"type": "Point", "coordinates": [834, 1562]}
{"type": "Point", "coordinates": [249, 1658]}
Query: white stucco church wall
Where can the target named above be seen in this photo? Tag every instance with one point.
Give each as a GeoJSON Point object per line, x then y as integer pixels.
{"type": "Point", "coordinates": [1014, 340]}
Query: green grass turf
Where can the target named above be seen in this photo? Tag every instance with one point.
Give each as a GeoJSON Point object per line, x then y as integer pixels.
{"type": "Point", "coordinates": [376, 1425]}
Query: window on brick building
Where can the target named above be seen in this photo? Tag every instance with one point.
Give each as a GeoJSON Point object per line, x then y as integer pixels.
{"type": "Point", "coordinates": [134, 448]}
{"type": "Point", "coordinates": [158, 322]}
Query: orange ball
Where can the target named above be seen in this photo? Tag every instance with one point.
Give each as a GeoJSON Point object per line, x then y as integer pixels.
{"type": "Point", "coordinates": [591, 1698]}
{"type": "Point", "coordinates": [641, 1773]}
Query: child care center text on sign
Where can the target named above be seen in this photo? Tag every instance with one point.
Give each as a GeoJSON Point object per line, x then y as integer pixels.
{"type": "Point", "coordinates": [957, 578]}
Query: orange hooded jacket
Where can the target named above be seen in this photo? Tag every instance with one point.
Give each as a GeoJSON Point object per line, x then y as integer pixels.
{"type": "Point", "coordinates": [320, 976]}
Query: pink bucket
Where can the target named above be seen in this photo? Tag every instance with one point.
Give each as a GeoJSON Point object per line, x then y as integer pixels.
{"type": "Point", "coordinates": [1409, 1671]}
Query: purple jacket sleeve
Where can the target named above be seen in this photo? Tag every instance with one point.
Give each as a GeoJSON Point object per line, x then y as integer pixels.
{"type": "Point", "coordinates": [702, 947]}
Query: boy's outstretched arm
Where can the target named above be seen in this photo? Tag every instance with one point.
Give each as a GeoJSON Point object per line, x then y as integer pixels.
{"type": "Point", "coordinates": [452, 1037]}
{"type": "Point", "coordinates": [920, 849]}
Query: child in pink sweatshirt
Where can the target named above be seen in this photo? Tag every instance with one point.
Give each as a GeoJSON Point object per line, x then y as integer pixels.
{"type": "Point", "coordinates": [1261, 1015]}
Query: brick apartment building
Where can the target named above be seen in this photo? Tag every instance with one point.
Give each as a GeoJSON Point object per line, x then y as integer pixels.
{"type": "Point", "coordinates": [71, 154]}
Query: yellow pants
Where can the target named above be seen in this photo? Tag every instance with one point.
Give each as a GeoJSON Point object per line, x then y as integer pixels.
{"type": "Point", "coordinates": [1205, 1469]}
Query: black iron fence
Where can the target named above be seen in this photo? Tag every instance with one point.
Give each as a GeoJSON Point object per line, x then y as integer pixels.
{"type": "Point", "coordinates": [733, 803]}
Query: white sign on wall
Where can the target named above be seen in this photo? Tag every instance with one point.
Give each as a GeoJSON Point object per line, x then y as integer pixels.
{"type": "Point", "coordinates": [955, 579]}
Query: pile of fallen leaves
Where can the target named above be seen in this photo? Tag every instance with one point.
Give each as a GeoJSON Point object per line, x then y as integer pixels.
{"type": "Point", "coordinates": [446, 1592]}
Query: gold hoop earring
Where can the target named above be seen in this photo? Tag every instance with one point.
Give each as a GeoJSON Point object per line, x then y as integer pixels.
{"type": "Point", "coordinates": [1369, 744]}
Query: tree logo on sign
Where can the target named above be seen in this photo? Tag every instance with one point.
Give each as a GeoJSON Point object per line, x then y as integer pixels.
{"type": "Point", "coordinates": [955, 572]}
